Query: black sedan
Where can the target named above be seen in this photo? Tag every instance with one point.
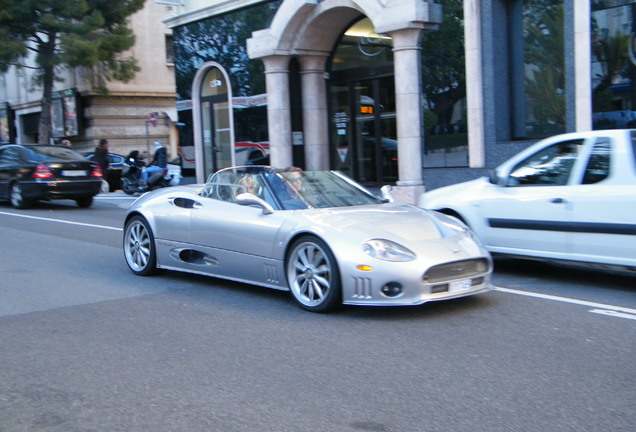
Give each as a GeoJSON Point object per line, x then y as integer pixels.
{"type": "Point", "coordinates": [29, 173]}
{"type": "Point", "coordinates": [113, 174]}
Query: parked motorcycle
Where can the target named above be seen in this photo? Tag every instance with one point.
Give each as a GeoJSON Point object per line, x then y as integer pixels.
{"type": "Point", "coordinates": [131, 176]}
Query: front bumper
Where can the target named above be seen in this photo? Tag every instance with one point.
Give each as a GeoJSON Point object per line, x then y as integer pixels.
{"type": "Point", "coordinates": [379, 286]}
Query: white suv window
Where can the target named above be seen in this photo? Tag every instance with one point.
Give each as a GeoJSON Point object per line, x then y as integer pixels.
{"type": "Point", "coordinates": [550, 167]}
{"type": "Point", "coordinates": [598, 167]}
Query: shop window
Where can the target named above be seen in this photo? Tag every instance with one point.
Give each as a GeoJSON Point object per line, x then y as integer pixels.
{"type": "Point", "coordinates": [444, 90]}
{"type": "Point", "coordinates": [538, 68]}
{"type": "Point", "coordinates": [169, 50]}
{"type": "Point", "coordinates": [613, 64]}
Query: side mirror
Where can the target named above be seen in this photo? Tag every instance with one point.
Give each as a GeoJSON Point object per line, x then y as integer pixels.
{"type": "Point", "coordinates": [493, 178]}
{"type": "Point", "coordinates": [247, 199]}
{"type": "Point", "coordinates": [387, 192]}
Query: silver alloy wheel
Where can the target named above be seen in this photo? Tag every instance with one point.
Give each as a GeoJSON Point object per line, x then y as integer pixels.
{"type": "Point", "coordinates": [139, 247]}
{"type": "Point", "coordinates": [312, 275]}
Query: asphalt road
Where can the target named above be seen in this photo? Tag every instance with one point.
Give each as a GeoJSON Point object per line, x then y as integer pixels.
{"type": "Point", "coordinates": [87, 346]}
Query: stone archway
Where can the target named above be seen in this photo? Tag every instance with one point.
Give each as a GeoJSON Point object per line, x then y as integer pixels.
{"type": "Point", "coordinates": [308, 31]}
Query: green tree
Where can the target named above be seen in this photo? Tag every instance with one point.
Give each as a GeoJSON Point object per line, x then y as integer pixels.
{"type": "Point", "coordinates": [51, 35]}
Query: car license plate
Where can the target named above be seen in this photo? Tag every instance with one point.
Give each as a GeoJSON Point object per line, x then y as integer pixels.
{"type": "Point", "coordinates": [460, 285]}
{"type": "Point", "coordinates": [73, 173]}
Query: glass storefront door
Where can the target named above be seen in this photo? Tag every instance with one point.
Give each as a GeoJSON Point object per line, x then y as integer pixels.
{"type": "Point", "coordinates": [364, 130]}
{"type": "Point", "coordinates": [362, 106]}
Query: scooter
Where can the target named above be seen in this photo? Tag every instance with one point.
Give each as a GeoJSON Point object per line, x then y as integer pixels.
{"type": "Point", "coordinates": [131, 178]}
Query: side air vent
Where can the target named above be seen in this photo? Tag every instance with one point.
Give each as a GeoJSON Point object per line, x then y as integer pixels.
{"type": "Point", "coordinates": [362, 288]}
{"type": "Point", "coordinates": [271, 273]}
{"type": "Point", "coordinates": [192, 256]}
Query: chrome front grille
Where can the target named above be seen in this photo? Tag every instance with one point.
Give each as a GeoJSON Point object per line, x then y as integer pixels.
{"type": "Point", "coordinates": [456, 270]}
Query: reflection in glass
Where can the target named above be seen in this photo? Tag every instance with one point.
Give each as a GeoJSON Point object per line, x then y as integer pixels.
{"type": "Point", "coordinates": [598, 167]}
{"type": "Point", "coordinates": [550, 166]}
{"type": "Point", "coordinates": [538, 68]}
{"type": "Point", "coordinates": [444, 90]}
{"type": "Point", "coordinates": [613, 64]}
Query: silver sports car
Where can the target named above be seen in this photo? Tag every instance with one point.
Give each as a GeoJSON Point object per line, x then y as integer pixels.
{"type": "Point", "coordinates": [317, 234]}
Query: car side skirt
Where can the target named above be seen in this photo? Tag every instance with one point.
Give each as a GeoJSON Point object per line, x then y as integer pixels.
{"type": "Point", "coordinates": [221, 263]}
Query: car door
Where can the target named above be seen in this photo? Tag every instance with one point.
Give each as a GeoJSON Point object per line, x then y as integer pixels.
{"type": "Point", "coordinates": [604, 205]}
{"type": "Point", "coordinates": [527, 214]}
{"type": "Point", "coordinates": [239, 240]}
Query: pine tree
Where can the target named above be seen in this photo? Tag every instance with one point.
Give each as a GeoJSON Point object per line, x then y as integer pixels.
{"type": "Point", "coordinates": [51, 35]}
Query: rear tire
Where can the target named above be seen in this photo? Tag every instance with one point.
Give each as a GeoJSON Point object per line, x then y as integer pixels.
{"type": "Point", "coordinates": [139, 247]}
{"type": "Point", "coordinates": [84, 202]}
{"type": "Point", "coordinates": [17, 197]}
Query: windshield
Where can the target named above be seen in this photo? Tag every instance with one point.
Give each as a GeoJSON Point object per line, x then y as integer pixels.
{"type": "Point", "coordinates": [47, 153]}
{"type": "Point", "coordinates": [289, 189]}
{"type": "Point", "coordinates": [318, 189]}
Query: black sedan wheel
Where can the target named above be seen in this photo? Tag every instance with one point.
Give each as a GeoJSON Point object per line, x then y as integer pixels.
{"type": "Point", "coordinates": [84, 202]}
{"type": "Point", "coordinates": [139, 247]}
{"type": "Point", "coordinates": [312, 275]}
{"type": "Point", "coordinates": [17, 199]}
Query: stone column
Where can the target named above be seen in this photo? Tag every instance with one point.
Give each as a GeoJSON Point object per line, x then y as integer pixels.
{"type": "Point", "coordinates": [474, 84]}
{"type": "Point", "coordinates": [408, 89]}
{"type": "Point", "coordinates": [278, 110]}
{"type": "Point", "coordinates": [315, 118]}
{"type": "Point", "coordinates": [582, 69]}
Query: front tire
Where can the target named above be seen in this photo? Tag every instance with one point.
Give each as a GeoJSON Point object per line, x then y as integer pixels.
{"type": "Point", "coordinates": [312, 275]}
{"type": "Point", "coordinates": [17, 197]}
{"type": "Point", "coordinates": [139, 247]}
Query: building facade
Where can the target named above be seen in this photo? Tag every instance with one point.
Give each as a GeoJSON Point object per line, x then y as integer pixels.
{"type": "Point", "coordinates": [84, 113]}
{"type": "Point", "coordinates": [414, 93]}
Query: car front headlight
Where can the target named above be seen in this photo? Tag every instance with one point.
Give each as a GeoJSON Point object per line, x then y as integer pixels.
{"type": "Point", "coordinates": [387, 250]}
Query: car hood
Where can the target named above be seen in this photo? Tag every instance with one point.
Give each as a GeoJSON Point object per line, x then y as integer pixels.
{"type": "Point", "coordinates": [461, 192]}
{"type": "Point", "coordinates": [393, 221]}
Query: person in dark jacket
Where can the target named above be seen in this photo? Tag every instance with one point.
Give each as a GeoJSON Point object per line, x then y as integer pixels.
{"type": "Point", "coordinates": [159, 162]}
{"type": "Point", "coordinates": [101, 155]}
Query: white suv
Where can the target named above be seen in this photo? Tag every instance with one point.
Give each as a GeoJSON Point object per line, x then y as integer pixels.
{"type": "Point", "coordinates": [570, 197]}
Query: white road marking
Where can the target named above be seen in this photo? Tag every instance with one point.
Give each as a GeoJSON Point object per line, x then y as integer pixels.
{"type": "Point", "coordinates": [614, 313]}
{"type": "Point", "coordinates": [62, 221]}
{"type": "Point", "coordinates": [610, 310]}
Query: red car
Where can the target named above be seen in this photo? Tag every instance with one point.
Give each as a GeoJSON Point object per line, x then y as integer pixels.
{"type": "Point", "coordinates": [29, 173]}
